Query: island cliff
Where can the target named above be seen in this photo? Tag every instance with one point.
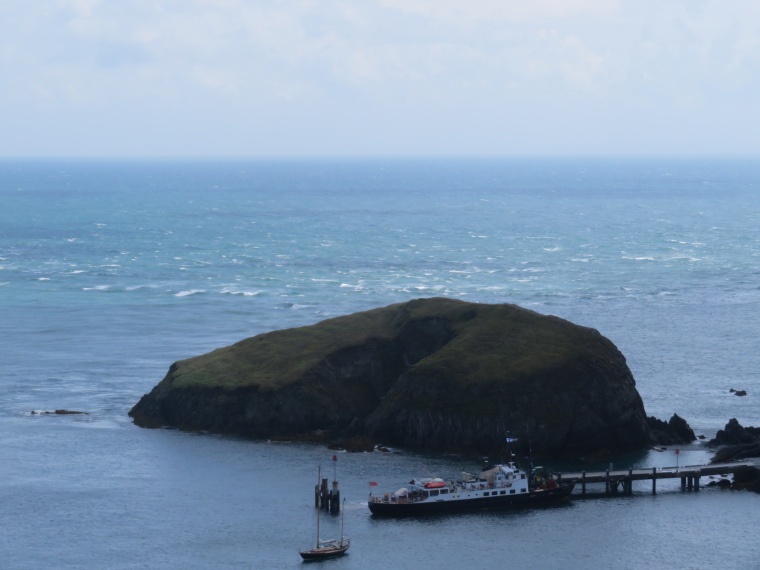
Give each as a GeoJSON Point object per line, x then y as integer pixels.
{"type": "Point", "coordinates": [436, 373]}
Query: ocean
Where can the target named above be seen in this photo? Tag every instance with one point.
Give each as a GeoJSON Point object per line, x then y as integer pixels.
{"type": "Point", "coordinates": [111, 270]}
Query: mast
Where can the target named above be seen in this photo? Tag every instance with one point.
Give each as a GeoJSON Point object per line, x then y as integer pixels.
{"type": "Point", "coordinates": [342, 518]}
{"type": "Point", "coordinates": [319, 502]}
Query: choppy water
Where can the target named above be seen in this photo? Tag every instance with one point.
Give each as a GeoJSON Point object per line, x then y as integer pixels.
{"type": "Point", "coordinates": [111, 271]}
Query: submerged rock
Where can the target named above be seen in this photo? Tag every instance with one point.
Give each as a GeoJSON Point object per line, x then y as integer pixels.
{"type": "Point", "coordinates": [59, 413]}
{"type": "Point", "coordinates": [436, 373]}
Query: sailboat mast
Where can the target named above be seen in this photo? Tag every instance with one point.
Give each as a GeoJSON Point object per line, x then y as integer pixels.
{"type": "Point", "coordinates": [342, 518]}
{"type": "Point", "coordinates": [319, 502]}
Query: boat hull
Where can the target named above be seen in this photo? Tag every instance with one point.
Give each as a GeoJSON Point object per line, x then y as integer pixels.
{"type": "Point", "coordinates": [324, 552]}
{"type": "Point", "coordinates": [534, 498]}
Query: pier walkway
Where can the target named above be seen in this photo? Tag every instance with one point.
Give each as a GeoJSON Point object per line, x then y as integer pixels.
{"type": "Point", "coordinates": [619, 480]}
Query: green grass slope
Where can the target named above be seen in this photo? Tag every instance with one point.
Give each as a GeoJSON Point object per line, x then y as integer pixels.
{"type": "Point", "coordinates": [490, 343]}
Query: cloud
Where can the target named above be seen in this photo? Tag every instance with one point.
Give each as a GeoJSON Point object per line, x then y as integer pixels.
{"type": "Point", "coordinates": [510, 10]}
{"type": "Point", "coordinates": [298, 62]}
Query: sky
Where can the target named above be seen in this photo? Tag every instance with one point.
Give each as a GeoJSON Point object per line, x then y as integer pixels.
{"type": "Point", "coordinates": [246, 78]}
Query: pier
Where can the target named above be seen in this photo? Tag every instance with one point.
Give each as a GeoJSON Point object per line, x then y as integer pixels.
{"type": "Point", "coordinates": [620, 481]}
{"type": "Point", "coordinates": [328, 500]}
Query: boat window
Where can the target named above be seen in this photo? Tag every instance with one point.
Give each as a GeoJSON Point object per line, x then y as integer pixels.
{"type": "Point", "coordinates": [503, 492]}
{"type": "Point", "coordinates": [485, 494]}
{"type": "Point", "coordinates": [444, 491]}
{"type": "Point", "coordinates": [433, 493]}
{"type": "Point", "coordinates": [522, 476]}
{"type": "Point", "coordinates": [511, 491]}
{"type": "Point", "coordinates": [523, 490]}
{"type": "Point", "coordinates": [424, 493]}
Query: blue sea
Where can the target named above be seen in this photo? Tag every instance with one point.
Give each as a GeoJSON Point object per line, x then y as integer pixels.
{"type": "Point", "coordinates": [110, 271]}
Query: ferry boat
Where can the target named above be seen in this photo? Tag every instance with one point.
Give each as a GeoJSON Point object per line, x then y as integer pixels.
{"type": "Point", "coordinates": [500, 486]}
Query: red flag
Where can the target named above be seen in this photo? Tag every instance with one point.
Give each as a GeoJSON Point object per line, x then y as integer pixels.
{"type": "Point", "coordinates": [335, 458]}
{"type": "Point", "coordinates": [678, 451]}
{"type": "Point", "coordinates": [373, 483]}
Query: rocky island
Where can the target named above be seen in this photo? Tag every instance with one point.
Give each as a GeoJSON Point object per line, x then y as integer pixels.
{"type": "Point", "coordinates": [438, 373]}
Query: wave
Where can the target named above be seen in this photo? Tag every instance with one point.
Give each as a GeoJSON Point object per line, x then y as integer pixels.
{"type": "Point", "coordinates": [138, 287]}
{"type": "Point", "coordinates": [688, 258]}
{"type": "Point", "coordinates": [347, 285]}
{"type": "Point", "coordinates": [230, 291]}
{"type": "Point", "coordinates": [190, 292]}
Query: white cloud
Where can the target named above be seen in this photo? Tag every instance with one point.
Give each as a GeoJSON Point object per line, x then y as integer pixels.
{"type": "Point", "coordinates": [512, 10]}
{"type": "Point", "coordinates": [479, 62]}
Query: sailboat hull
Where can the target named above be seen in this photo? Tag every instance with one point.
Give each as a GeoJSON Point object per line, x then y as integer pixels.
{"type": "Point", "coordinates": [324, 552]}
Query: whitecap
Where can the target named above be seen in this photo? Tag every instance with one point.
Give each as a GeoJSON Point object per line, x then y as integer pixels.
{"type": "Point", "coordinates": [96, 288]}
{"type": "Point", "coordinates": [138, 287]}
{"type": "Point", "coordinates": [190, 292]}
{"type": "Point", "coordinates": [682, 258]}
{"type": "Point", "coordinates": [43, 278]}
{"type": "Point", "coordinates": [228, 291]}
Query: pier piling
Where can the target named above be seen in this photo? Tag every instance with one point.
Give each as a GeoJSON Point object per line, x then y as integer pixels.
{"type": "Point", "coordinates": [334, 498]}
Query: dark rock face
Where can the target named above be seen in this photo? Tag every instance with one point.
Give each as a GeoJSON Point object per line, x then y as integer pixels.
{"type": "Point", "coordinates": [673, 432]}
{"type": "Point", "coordinates": [735, 442]}
{"type": "Point", "coordinates": [748, 480]}
{"type": "Point", "coordinates": [735, 434]}
{"type": "Point", "coordinates": [437, 374]}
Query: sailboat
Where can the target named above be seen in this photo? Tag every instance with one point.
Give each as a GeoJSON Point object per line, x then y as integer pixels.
{"type": "Point", "coordinates": [328, 548]}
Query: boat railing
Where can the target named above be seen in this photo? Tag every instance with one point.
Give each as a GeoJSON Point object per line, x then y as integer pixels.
{"type": "Point", "coordinates": [418, 496]}
{"type": "Point", "coordinates": [414, 497]}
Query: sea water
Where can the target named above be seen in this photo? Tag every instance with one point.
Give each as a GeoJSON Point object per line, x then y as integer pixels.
{"type": "Point", "coordinates": [112, 270]}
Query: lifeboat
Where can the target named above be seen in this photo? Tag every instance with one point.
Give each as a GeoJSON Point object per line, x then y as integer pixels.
{"type": "Point", "coordinates": [435, 484]}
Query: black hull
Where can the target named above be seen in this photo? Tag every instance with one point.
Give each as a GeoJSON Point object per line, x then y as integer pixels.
{"type": "Point", "coordinates": [323, 553]}
{"type": "Point", "coordinates": [534, 498]}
